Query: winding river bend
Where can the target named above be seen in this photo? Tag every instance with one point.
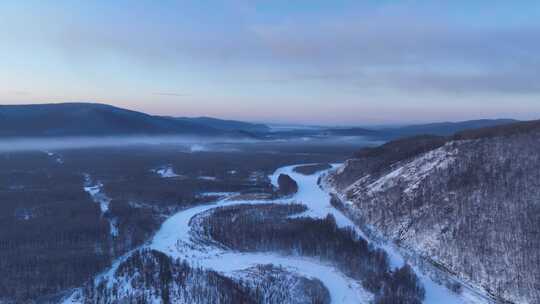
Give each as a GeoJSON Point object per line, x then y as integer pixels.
{"type": "Point", "coordinates": [177, 239]}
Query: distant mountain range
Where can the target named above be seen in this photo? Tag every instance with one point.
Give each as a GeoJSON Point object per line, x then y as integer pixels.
{"type": "Point", "coordinates": [92, 119]}
{"type": "Point", "coordinates": [390, 133]}
{"type": "Point", "coordinates": [227, 125]}
{"type": "Point", "coordinates": [442, 128]}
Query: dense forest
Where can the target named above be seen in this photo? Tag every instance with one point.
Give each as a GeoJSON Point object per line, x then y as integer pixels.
{"type": "Point", "coordinates": [312, 169]}
{"type": "Point", "coordinates": [286, 185]}
{"type": "Point", "coordinates": [149, 276]}
{"type": "Point", "coordinates": [54, 235]}
{"type": "Point", "coordinates": [270, 227]}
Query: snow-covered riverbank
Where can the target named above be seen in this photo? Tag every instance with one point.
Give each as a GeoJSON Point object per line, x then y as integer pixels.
{"type": "Point", "coordinates": [318, 201]}
{"type": "Point", "coordinates": [175, 238]}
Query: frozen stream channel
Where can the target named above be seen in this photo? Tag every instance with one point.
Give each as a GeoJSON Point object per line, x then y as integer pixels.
{"type": "Point", "coordinates": [175, 238]}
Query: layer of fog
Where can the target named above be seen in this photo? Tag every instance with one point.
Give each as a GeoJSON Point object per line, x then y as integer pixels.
{"type": "Point", "coordinates": [188, 143]}
{"type": "Point", "coordinates": [62, 143]}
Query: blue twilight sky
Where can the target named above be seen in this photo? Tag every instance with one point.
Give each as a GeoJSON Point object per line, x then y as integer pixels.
{"type": "Point", "coordinates": [319, 62]}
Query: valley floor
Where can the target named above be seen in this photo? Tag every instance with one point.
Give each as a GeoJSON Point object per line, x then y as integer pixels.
{"type": "Point", "coordinates": [176, 238]}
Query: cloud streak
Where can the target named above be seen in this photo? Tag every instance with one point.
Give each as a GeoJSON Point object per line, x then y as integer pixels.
{"type": "Point", "coordinates": [403, 55]}
{"type": "Point", "coordinates": [385, 50]}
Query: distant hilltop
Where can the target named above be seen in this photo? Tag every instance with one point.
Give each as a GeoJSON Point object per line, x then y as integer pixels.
{"type": "Point", "coordinates": [97, 120]}
{"type": "Point", "coordinates": [93, 119]}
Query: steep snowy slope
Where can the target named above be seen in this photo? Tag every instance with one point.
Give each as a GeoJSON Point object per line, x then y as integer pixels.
{"type": "Point", "coordinates": [469, 204]}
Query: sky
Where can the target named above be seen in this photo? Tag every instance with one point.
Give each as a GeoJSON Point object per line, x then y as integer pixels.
{"type": "Point", "coordinates": [334, 62]}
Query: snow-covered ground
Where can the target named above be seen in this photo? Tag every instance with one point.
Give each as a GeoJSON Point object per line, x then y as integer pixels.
{"type": "Point", "coordinates": [410, 174]}
{"type": "Point", "coordinates": [98, 196]}
{"type": "Point", "coordinates": [197, 148]}
{"type": "Point", "coordinates": [95, 191]}
{"type": "Point", "coordinates": [57, 158]}
{"type": "Point", "coordinates": [176, 239]}
{"type": "Point", "coordinates": [220, 194]}
{"type": "Point", "coordinates": [166, 172]}
{"type": "Point", "coordinates": [318, 201]}
{"type": "Point", "coordinates": [342, 289]}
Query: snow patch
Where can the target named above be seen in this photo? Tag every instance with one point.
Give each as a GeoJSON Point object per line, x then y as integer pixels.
{"type": "Point", "coordinates": [56, 157]}
{"type": "Point", "coordinates": [165, 172]}
{"type": "Point", "coordinates": [96, 192]}
{"type": "Point", "coordinates": [197, 148]}
{"type": "Point", "coordinates": [410, 174]}
{"type": "Point", "coordinates": [220, 194]}
{"type": "Point", "coordinates": [95, 189]}
{"type": "Point", "coordinates": [24, 214]}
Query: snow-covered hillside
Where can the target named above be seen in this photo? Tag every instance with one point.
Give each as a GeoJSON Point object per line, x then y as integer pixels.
{"type": "Point", "coordinates": [468, 209]}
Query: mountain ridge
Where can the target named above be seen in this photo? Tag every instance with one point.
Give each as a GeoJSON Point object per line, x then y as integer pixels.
{"type": "Point", "coordinates": [98, 119]}
{"type": "Point", "coordinates": [466, 203]}
{"type": "Point", "coordinates": [95, 119]}
{"type": "Point", "coordinates": [227, 124]}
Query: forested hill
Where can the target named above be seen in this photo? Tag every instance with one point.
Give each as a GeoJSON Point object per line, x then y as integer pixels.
{"type": "Point", "coordinates": [442, 128]}
{"type": "Point", "coordinates": [468, 203]}
{"type": "Point", "coordinates": [227, 125]}
{"type": "Point", "coordinates": [393, 133]}
{"type": "Point", "coordinates": [91, 119]}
